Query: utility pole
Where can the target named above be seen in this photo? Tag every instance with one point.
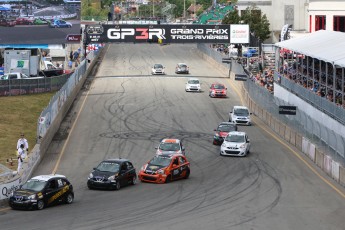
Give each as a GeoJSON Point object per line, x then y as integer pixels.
{"type": "Point", "coordinates": [184, 10]}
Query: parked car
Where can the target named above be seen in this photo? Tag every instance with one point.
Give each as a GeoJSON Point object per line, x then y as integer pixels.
{"type": "Point", "coordinates": [170, 145]}
{"type": "Point", "coordinates": [42, 191]}
{"type": "Point", "coordinates": [217, 90]}
{"type": "Point", "coordinates": [24, 21]}
{"type": "Point", "coordinates": [222, 131]}
{"type": "Point", "coordinates": [165, 168]}
{"type": "Point", "coordinates": [182, 68]}
{"type": "Point", "coordinates": [7, 22]}
{"type": "Point", "coordinates": [158, 69]}
{"type": "Point", "coordinates": [112, 174]}
{"type": "Point", "coordinates": [193, 85]}
{"type": "Point", "coordinates": [58, 23]}
{"type": "Point", "coordinates": [240, 115]}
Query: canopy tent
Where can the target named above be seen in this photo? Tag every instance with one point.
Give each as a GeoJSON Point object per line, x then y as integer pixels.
{"type": "Point", "coordinates": [324, 45]}
{"type": "Point", "coordinates": [4, 8]}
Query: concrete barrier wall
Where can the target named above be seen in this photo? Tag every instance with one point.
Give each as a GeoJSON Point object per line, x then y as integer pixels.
{"type": "Point", "coordinates": [322, 160]}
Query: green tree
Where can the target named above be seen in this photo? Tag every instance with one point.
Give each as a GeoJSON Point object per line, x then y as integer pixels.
{"type": "Point", "coordinates": [258, 24]}
{"type": "Point", "coordinates": [232, 18]}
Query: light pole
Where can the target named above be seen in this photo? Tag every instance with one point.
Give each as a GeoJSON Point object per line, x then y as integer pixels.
{"type": "Point", "coordinates": [184, 10]}
{"type": "Point", "coordinates": [153, 9]}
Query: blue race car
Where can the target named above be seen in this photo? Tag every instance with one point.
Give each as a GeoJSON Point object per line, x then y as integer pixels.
{"type": "Point", "coordinates": [58, 23]}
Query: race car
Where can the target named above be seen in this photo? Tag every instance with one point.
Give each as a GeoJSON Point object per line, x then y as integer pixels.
{"type": "Point", "coordinates": [58, 23]}
{"type": "Point", "coordinates": [182, 68]}
{"type": "Point", "coordinates": [171, 146]}
{"type": "Point", "coordinates": [235, 144]}
{"type": "Point", "coordinates": [217, 90]}
{"type": "Point", "coordinates": [158, 69]}
{"type": "Point", "coordinates": [42, 191]}
{"type": "Point", "coordinates": [222, 131]}
{"type": "Point", "coordinates": [165, 168]}
{"type": "Point", "coordinates": [112, 174]}
{"type": "Point", "coordinates": [193, 85]}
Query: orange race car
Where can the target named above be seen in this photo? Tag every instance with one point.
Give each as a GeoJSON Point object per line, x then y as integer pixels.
{"type": "Point", "coordinates": [165, 168]}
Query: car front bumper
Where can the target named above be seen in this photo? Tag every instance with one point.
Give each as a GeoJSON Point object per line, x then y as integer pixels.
{"type": "Point", "coordinates": [28, 204]}
{"type": "Point", "coordinates": [224, 151]}
{"type": "Point", "coordinates": [101, 184]}
{"type": "Point", "coordinates": [152, 178]}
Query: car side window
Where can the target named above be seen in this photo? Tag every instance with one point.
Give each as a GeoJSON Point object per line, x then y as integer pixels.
{"type": "Point", "coordinates": [124, 167]}
{"type": "Point", "coordinates": [60, 183]}
{"type": "Point", "coordinates": [129, 165]}
{"type": "Point", "coordinates": [52, 185]}
{"type": "Point", "coordinates": [175, 162]}
{"type": "Point", "coordinates": [182, 160]}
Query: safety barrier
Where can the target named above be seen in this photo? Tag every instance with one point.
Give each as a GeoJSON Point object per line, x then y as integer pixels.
{"type": "Point", "coordinates": [10, 182]}
{"type": "Point", "coordinates": [316, 155]}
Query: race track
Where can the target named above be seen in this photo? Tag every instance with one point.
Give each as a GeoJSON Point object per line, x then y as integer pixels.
{"type": "Point", "coordinates": [37, 34]}
{"type": "Point", "coordinates": [125, 114]}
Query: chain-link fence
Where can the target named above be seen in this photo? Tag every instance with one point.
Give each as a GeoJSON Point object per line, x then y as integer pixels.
{"type": "Point", "coordinates": [29, 86]}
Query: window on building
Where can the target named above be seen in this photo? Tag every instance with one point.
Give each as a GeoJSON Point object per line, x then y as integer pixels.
{"type": "Point", "coordinates": [320, 22]}
{"type": "Point", "coordinates": [339, 23]}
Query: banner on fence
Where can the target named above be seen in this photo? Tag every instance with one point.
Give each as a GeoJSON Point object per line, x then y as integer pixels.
{"type": "Point", "coordinates": [8, 188]}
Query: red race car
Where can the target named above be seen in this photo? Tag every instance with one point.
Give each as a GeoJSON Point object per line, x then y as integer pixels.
{"type": "Point", "coordinates": [24, 21]}
{"type": "Point", "coordinates": [165, 168]}
{"type": "Point", "coordinates": [217, 90]}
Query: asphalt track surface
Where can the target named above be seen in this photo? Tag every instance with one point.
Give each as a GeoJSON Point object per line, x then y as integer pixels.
{"type": "Point", "coordinates": [126, 111]}
{"type": "Point", "coordinates": [37, 34]}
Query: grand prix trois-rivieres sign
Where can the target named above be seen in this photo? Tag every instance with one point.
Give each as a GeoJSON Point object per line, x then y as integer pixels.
{"type": "Point", "coordinates": [170, 33]}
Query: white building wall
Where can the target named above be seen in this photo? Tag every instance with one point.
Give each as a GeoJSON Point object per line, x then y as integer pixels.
{"type": "Point", "coordinates": [328, 8]}
{"type": "Point", "coordinates": [275, 12]}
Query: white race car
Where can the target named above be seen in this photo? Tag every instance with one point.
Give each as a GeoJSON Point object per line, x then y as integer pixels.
{"type": "Point", "coordinates": [158, 69]}
{"type": "Point", "coordinates": [235, 144]}
{"type": "Point", "coordinates": [193, 85]}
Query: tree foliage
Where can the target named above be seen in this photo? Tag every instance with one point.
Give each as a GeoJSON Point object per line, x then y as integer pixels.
{"type": "Point", "coordinates": [232, 18]}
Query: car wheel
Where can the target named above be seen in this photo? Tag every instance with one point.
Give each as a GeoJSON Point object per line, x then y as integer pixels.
{"type": "Point", "coordinates": [69, 198]}
{"type": "Point", "coordinates": [187, 174]}
{"type": "Point", "coordinates": [134, 180]}
{"type": "Point", "coordinates": [40, 205]}
{"type": "Point", "coordinates": [168, 179]}
{"type": "Point", "coordinates": [118, 185]}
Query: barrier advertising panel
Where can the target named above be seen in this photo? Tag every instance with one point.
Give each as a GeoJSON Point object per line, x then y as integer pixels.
{"type": "Point", "coordinates": [169, 33]}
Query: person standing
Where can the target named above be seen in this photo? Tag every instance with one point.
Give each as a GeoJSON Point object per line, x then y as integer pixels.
{"type": "Point", "coordinates": [21, 156]}
{"type": "Point", "coordinates": [22, 140]}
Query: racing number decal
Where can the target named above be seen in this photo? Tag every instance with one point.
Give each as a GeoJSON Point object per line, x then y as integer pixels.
{"type": "Point", "coordinates": [58, 194]}
{"type": "Point", "coordinates": [144, 34]}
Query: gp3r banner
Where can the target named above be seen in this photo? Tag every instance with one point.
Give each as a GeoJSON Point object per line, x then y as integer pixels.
{"type": "Point", "coordinates": [170, 33]}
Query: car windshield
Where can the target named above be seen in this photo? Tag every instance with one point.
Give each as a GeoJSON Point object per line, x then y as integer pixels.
{"type": "Point", "coordinates": [160, 161]}
{"type": "Point", "coordinates": [218, 86]}
{"type": "Point", "coordinates": [169, 146]}
{"type": "Point", "coordinates": [157, 66]}
{"type": "Point", "coordinates": [226, 128]}
{"type": "Point", "coordinates": [241, 112]}
{"type": "Point", "coordinates": [182, 65]}
{"type": "Point", "coordinates": [34, 185]}
{"type": "Point", "coordinates": [107, 166]}
{"type": "Point", "coordinates": [235, 138]}
{"type": "Point", "coordinates": [193, 82]}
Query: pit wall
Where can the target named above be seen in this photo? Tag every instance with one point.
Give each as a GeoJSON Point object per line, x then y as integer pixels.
{"type": "Point", "coordinates": [325, 162]}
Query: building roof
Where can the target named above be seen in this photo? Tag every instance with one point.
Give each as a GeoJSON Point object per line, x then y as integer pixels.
{"type": "Point", "coordinates": [324, 45]}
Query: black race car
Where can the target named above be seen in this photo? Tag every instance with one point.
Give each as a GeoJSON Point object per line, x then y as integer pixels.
{"type": "Point", "coordinates": [42, 191]}
{"type": "Point", "coordinates": [112, 174]}
{"type": "Point", "coordinates": [222, 131]}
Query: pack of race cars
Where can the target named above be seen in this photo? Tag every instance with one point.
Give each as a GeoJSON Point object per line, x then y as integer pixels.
{"type": "Point", "coordinates": [168, 164]}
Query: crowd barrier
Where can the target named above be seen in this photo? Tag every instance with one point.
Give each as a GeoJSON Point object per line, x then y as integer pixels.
{"type": "Point", "coordinates": [10, 182]}
{"type": "Point", "coordinates": [316, 155]}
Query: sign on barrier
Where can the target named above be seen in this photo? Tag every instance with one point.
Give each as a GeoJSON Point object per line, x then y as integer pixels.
{"type": "Point", "coordinates": [8, 188]}
{"type": "Point", "coordinates": [335, 170]}
{"type": "Point", "coordinates": [171, 33]}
